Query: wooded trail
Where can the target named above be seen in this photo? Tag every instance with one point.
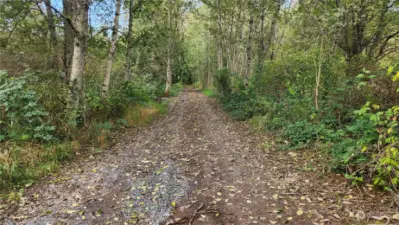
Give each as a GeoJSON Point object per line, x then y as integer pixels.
{"type": "Point", "coordinates": [197, 166]}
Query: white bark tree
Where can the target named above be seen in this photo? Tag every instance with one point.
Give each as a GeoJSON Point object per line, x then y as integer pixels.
{"type": "Point", "coordinates": [112, 50]}
{"type": "Point", "coordinates": [56, 57]}
{"type": "Point", "coordinates": [79, 20]}
{"type": "Point", "coordinates": [128, 70]}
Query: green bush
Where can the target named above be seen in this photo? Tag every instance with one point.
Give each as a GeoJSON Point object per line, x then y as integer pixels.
{"type": "Point", "coordinates": [301, 134]}
{"type": "Point", "coordinates": [208, 93]}
{"type": "Point", "coordinates": [222, 82]}
{"type": "Point", "coordinates": [238, 105]}
{"type": "Point", "coordinates": [22, 117]}
{"type": "Point", "coordinates": [371, 147]}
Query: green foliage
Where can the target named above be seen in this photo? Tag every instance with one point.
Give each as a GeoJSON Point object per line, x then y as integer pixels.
{"type": "Point", "coordinates": [238, 105]}
{"type": "Point", "coordinates": [22, 164]}
{"type": "Point", "coordinates": [223, 83]}
{"type": "Point", "coordinates": [301, 134]}
{"type": "Point", "coordinates": [372, 146]}
{"type": "Point", "coordinates": [176, 89]}
{"type": "Point", "coordinates": [208, 93]}
{"type": "Point", "coordinates": [22, 116]}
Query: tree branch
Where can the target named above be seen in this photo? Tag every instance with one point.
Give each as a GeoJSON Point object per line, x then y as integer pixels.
{"type": "Point", "coordinates": [68, 20]}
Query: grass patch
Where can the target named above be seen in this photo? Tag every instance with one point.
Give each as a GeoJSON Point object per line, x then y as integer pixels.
{"type": "Point", "coordinates": [140, 115]}
{"type": "Point", "coordinates": [23, 163]}
{"type": "Point", "coordinates": [209, 93]}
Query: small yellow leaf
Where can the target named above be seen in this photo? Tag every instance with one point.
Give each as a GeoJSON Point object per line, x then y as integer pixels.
{"type": "Point", "coordinates": [390, 130]}
{"type": "Point", "coordinates": [375, 106]}
{"type": "Point", "coordinates": [396, 77]}
{"type": "Point", "coordinates": [174, 204]}
{"type": "Point", "coordinates": [289, 218]}
{"type": "Point", "coordinates": [299, 212]}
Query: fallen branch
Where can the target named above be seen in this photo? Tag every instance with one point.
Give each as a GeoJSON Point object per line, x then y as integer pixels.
{"type": "Point", "coordinates": [195, 213]}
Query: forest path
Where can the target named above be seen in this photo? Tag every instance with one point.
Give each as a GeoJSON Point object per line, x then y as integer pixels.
{"type": "Point", "coordinates": [196, 166]}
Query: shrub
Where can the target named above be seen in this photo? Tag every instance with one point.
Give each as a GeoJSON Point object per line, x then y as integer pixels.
{"type": "Point", "coordinates": [208, 93]}
{"type": "Point", "coordinates": [303, 133]}
{"type": "Point", "coordinates": [372, 147]}
{"type": "Point", "coordinates": [238, 105]}
{"type": "Point", "coordinates": [22, 117]}
{"type": "Point", "coordinates": [223, 83]}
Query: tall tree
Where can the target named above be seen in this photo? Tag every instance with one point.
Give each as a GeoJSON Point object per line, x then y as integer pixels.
{"type": "Point", "coordinates": [68, 39]}
{"type": "Point", "coordinates": [169, 50]}
{"type": "Point", "coordinates": [112, 49]}
{"type": "Point", "coordinates": [220, 35]}
{"type": "Point", "coordinates": [55, 51]}
{"type": "Point", "coordinates": [273, 29]}
{"type": "Point", "coordinates": [261, 45]}
{"type": "Point", "coordinates": [80, 22]}
{"type": "Point", "coordinates": [247, 72]}
{"type": "Point", "coordinates": [129, 38]}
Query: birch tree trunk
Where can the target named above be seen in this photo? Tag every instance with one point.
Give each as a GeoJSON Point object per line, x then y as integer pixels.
{"type": "Point", "coordinates": [262, 46]}
{"type": "Point", "coordinates": [128, 70]}
{"type": "Point", "coordinates": [79, 12]}
{"type": "Point", "coordinates": [318, 73]}
{"type": "Point", "coordinates": [169, 74]}
{"type": "Point", "coordinates": [220, 37]}
{"type": "Point", "coordinates": [68, 40]}
{"type": "Point", "coordinates": [247, 72]}
{"type": "Point", "coordinates": [273, 29]}
{"type": "Point", "coordinates": [111, 53]}
{"type": "Point", "coordinates": [57, 59]}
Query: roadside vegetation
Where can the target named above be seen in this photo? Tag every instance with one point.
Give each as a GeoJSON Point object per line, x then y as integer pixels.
{"type": "Point", "coordinates": [303, 72]}
{"type": "Point", "coordinates": [54, 106]}
{"type": "Point", "coordinates": [318, 74]}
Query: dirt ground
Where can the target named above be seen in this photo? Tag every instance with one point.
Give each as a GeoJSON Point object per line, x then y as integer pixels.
{"type": "Point", "coordinates": [197, 166]}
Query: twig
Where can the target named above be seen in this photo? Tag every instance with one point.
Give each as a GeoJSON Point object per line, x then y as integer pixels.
{"type": "Point", "coordinates": [195, 213]}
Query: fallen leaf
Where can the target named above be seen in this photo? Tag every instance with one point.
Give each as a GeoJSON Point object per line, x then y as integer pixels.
{"type": "Point", "coordinates": [299, 212]}
{"type": "Point", "coordinates": [274, 210]}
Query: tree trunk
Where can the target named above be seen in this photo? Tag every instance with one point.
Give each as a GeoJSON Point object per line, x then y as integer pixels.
{"type": "Point", "coordinates": [57, 59]}
{"type": "Point", "coordinates": [318, 73]}
{"type": "Point", "coordinates": [237, 34]}
{"type": "Point", "coordinates": [220, 37]}
{"type": "Point", "coordinates": [273, 29]}
{"type": "Point", "coordinates": [111, 53]}
{"type": "Point", "coordinates": [168, 73]}
{"type": "Point", "coordinates": [261, 47]}
{"type": "Point", "coordinates": [68, 40]}
{"type": "Point", "coordinates": [79, 12]}
{"type": "Point", "coordinates": [249, 48]}
{"type": "Point", "coordinates": [128, 72]}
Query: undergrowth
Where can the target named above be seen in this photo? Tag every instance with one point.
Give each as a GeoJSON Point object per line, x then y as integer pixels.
{"type": "Point", "coordinates": [36, 137]}
{"type": "Point", "coordinates": [362, 139]}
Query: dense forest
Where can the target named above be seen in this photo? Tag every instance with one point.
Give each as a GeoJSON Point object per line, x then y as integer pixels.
{"type": "Point", "coordinates": [313, 75]}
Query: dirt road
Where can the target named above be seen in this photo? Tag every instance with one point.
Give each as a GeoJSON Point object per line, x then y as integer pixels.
{"type": "Point", "coordinates": [196, 166]}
